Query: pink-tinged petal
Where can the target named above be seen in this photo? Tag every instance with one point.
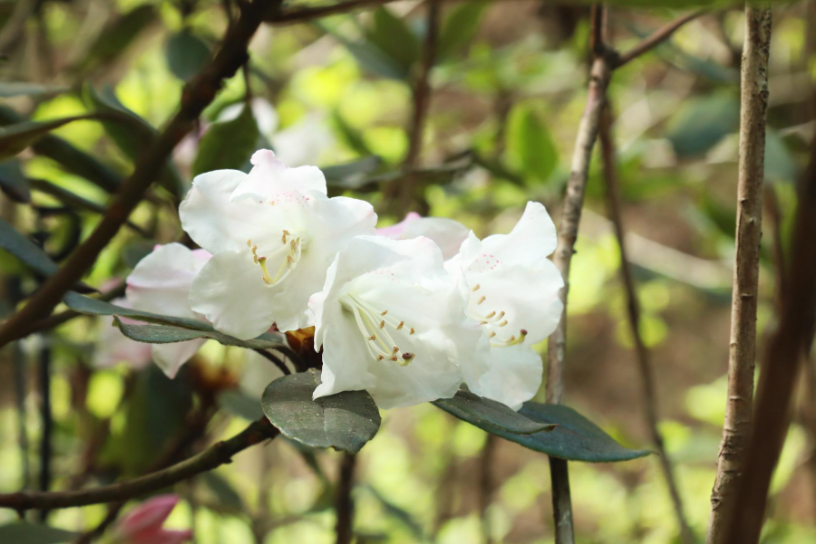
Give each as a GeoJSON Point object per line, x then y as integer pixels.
{"type": "Point", "coordinates": [271, 180]}
{"type": "Point", "coordinates": [170, 357]}
{"type": "Point", "coordinates": [114, 347]}
{"type": "Point", "coordinates": [148, 516]}
{"type": "Point", "coordinates": [395, 231]}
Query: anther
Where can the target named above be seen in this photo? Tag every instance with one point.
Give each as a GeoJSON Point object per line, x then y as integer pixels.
{"type": "Point", "coordinates": [396, 349]}
{"type": "Point", "coordinates": [401, 324]}
{"type": "Point", "coordinates": [290, 259]}
{"type": "Point", "coordinates": [476, 288]}
{"type": "Point", "coordinates": [249, 243]}
{"type": "Point", "coordinates": [481, 299]}
{"type": "Point", "coordinates": [393, 357]}
{"type": "Point", "coordinates": [500, 315]}
{"type": "Point", "coordinates": [372, 337]}
{"type": "Point", "coordinates": [255, 258]}
{"type": "Point", "coordinates": [412, 330]}
{"type": "Point", "coordinates": [283, 238]}
{"type": "Point", "coordinates": [293, 244]}
{"type": "Point", "coordinates": [491, 314]}
{"type": "Point", "coordinates": [503, 323]}
{"type": "Point", "coordinates": [380, 357]}
{"type": "Point", "coordinates": [491, 335]}
{"type": "Point", "coordinates": [385, 312]}
{"type": "Point", "coordinates": [512, 339]}
{"type": "Point", "coordinates": [382, 324]}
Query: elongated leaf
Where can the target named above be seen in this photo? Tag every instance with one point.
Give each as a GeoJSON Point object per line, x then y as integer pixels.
{"type": "Point", "coordinates": [186, 54]}
{"type": "Point", "coordinates": [489, 415]}
{"type": "Point", "coordinates": [575, 438]}
{"type": "Point", "coordinates": [241, 404]}
{"type": "Point", "coordinates": [700, 124]}
{"type": "Point", "coordinates": [371, 57]}
{"type": "Point", "coordinates": [19, 88]}
{"type": "Point", "coordinates": [31, 533]}
{"type": "Point", "coordinates": [228, 144]}
{"type": "Point", "coordinates": [394, 39]}
{"type": "Point", "coordinates": [24, 249]}
{"type": "Point", "coordinates": [530, 144]}
{"type": "Point", "coordinates": [168, 334]}
{"type": "Point", "coordinates": [91, 306]}
{"type": "Point", "coordinates": [352, 175]}
{"type": "Point", "coordinates": [460, 27]}
{"type": "Point", "coordinates": [116, 37]}
{"type": "Point", "coordinates": [13, 182]}
{"type": "Point", "coordinates": [18, 136]}
{"type": "Point", "coordinates": [345, 421]}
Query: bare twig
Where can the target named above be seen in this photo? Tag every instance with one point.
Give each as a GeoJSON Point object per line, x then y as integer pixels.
{"type": "Point", "coordinates": [570, 218]}
{"type": "Point", "coordinates": [274, 360]}
{"type": "Point", "coordinates": [742, 353]}
{"type": "Point", "coordinates": [780, 367]}
{"type": "Point", "coordinates": [655, 39]}
{"type": "Point", "coordinates": [642, 355]}
{"type": "Point", "coordinates": [343, 503]}
{"type": "Point", "coordinates": [217, 455]}
{"type": "Point", "coordinates": [486, 486]}
{"type": "Point", "coordinates": [196, 96]}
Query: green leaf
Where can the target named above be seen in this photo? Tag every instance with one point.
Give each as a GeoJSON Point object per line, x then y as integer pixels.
{"type": "Point", "coordinates": [489, 415]}
{"type": "Point", "coordinates": [116, 37]}
{"type": "Point", "coordinates": [575, 438]}
{"type": "Point", "coordinates": [92, 306]}
{"type": "Point", "coordinates": [131, 134]}
{"type": "Point", "coordinates": [530, 145]}
{"type": "Point", "coordinates": [17, 88]}
{"type": "Point", "coordinates": [13, 182]}
{"type": "Point", "coordinates": [352, 175]}
{"type": "Point", "coordinates": [186, 54]}
{"type": "Point", "coordinates": [701, 124]}
{"type": "Point", "coordinates": [779, 163]}
{"type": "Point", "coordinates": [345, 421]}
{"type": "Point", "coordinates": [228, 144]}
{"type": "Point", "coordinates": [69, 157]}
{"type": "Point", "coordinates": [371, 58]}
{"type": "Point", "coordinates": [351, 136]}
{"type": "Point", "coordinates": [223, 490]}
{"type": "Point", "coordinates": [18, 136]}
{"type": "Point", "coordinates": [24, 249]}
{"type": "Point", "coordinates": [169, 334]}
{"type": "Point", "coordinates": [30, 533]}
{"type": "Point", "coordinates": [460, 27]}
{"type": "Point", "coordinates": [394, 39]}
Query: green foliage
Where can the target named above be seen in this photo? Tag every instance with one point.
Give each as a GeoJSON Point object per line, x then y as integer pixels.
{"type": "Point", "coordinates": [530, 144]}
{"type": "Point", "coordinates": [16, 88]}
{"type": "Point", "coordinates": [460, 27]}
{"type": "Point", "coordinates": [15, 138]}
{"type": "Point", "coordinates": [167, 334]}
{"type": "Point", "coordinates": [227, 144]}
{"type": "Point", "coordinates": [392, 36]}
{"type": "Point", "coordinates": [701, 123]}
{"type": "Point", "coordinates": [31, 533]}
{"type": "Point", "coordinates": [13, 182]}
{"type": "Point", "coordinates": [489, 415]}
{"type": "Point", "coordinates": [186, 54]}
{"type": "Point", "coordinates": [345, 421]}
{"type": "Point", "coordinates": [24, 249]}
{"type": "Point", "coordinates": [116, 37]}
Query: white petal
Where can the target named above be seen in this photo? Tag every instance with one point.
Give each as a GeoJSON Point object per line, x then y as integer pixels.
{"type": "Point", "coordinates": [170, 357]}
{"type": "Point", "coordinates": [395, 231]}
{"type": "Point", "coordinates": [160, 282]}
{"type": "Point", "coordinates": [208, 216]}
{"type": "Point", "coordinates": [447, 233]}
{"type": "Point", "coordinates": [230, 292]}
{"type": "Point", "coordinates": [304, 142]}
{"type": "Point", "coordinates": [114, 347]}
{"type": "Point", "coordinates": [344, 362]}
{"type": "Point", "coordinates": [510, 375]}
{"type": "Point", "coordinates": [270, 179]}
{"type": "Point", "coordinates": [532, 239]}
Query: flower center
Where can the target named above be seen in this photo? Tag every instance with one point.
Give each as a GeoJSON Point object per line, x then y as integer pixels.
{"type": "Point", "coordinates": [376, 327]}
{"type": "Point", "coordinates": [494, 322]}
{"type": "Point", "coordinates": [282, 260]}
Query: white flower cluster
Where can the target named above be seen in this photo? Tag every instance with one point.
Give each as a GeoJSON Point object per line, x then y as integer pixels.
{"type": "Point", "coordinates": [408, 312]}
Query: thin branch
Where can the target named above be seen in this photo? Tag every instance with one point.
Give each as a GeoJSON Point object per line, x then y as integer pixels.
{"type": "Point", "coordinates": [742, 353]}
{"type": "Point", "coordinates": [486, 486]}
{"type": "Point", "coordinates": [658, 37]}
{"type": "Point", "coordinates": [600, 74]}
{"type": "Point", "coordinates": [633, 314]}
{"type": "Point", "coordinates": [274, 360]}
{"type": "Point", "coordinates": [278, 16]}
{"type": "Point", "coordinates": [217, 455]}
{"type": "Point", "coordinates": [195, 97]}
{"type": "Point", "coordinates": [780, 367]}
{"type": "Point", "coordinates": [343, 503]}
{"type": "Point", "coordinates": [56, 320]}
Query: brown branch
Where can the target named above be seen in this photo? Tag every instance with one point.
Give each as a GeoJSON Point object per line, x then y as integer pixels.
{"type": "Point", "coordinates": [277, 16]}
{"type": "Point", "coordinates": [600, 74]}
{"type": "Point", "coordinates": [780, 367]}
{"type": "Point", "coordinates": [658, 37]}
{"type": "Point", "coordinates": [486, 485]}
{"type": "Point", "coordinates": [217, 455]}
{"type": "Point", "coordinates": [642, 355]}
{"type": "Point", "coordinates": [343, 504]}
{"type": "Point", "coordinates": [742, 353]}
{"type": "Point", "coordinates": [195, 97]}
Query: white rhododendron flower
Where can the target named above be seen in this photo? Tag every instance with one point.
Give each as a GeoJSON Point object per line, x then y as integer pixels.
{"type": "Point", "coordinates": [447, 233]}
{"type": "Point", "coordinates": [511, 289]}
{"type": "Point", "coordinates": [273, 233]}
{"type": "Point", "coordinates": [391, 321]}
{"type": "Point", "coordinates": [160, 284]}
{"type": "Point", "coordinates": [114, 347]}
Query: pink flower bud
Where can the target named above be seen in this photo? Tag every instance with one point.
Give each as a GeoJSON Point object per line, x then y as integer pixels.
{"type": "Point", "coordinates": [143, 524]}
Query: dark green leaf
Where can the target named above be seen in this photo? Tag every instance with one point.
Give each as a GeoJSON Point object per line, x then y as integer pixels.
{"type": "Point", "coordinates": [15, 138]}
{"type": "Point", "coordinates": [460, 27]}
{"type": "Point", "coordinates": [169, 334]}
{"type": "Point", "coordinates": [394, 39]}
{"type": "Point", "coordinates": [227, 144]}
{"type": "Point", "coordinates": [13, 182]}
{"type": "Point", "coordinates": [24, 249]}
{"type": "Point", "coordinates": [575, 438]}
{"type": "Point", "coordinates": [702, 123]}
{"type": "Point", "coordinates": [241, 404]}
{"type": "Point", "coordinates": [30, 533]}
{"type": "Point", "coordinates": [345, 421]}
{"type": "Point", "coordinates": [352, 175]}
{"type": "Point", "coordinates": [116, 37]}
{"type": "Point", "coordinates": [779, 163]}
{"type": "Point", "coordinates": [351, 136]}
{"type": "Point", "coordinates": [186, 54]}
{"type": "Point", "coordinates": [16, 88]}
{"type": "Point", "coordinates": [69, 157]}
{"type": "Point", "coordinates": [371, 58]}
{"type": "Point", "coordinates": [226, 494]}
{"type": "Point", "coordinates": [91, 306]}
{"type": "Point", "coordinates": [530, 144]}
{"type": "Point", "coordinates": [489, 415]}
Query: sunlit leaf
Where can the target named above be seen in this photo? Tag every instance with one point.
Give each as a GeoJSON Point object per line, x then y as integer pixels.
{"type": "Point", "coordinates": [24, 249]}
{"type": "Point", "coordinates": [460, 27]}
{"type": "Point", "coordinates": [345, 421]}
{"type": "Point", "coordinates": [186, 54]}
{"type": "Point", "coordinates": [31, 533]}
{"type": "Point", "coordinates": [117, 36]}
{"type": "Point", "coordinates": [18, 88]}
{"type": "Point", "coordinates": [701, 123]}
{"type": "Point", "coordinates": [18, 136]}
{"type": "Point", "coordinates": [530, 144]}
{"type": "Point", "coordinates": [394, 39]}
{"type": "Point", "coordinates": [227, 144]}
{"type": "Point", "coordinates": [13, 182]}
{"type": "Point", "coordinates": [489, 415]}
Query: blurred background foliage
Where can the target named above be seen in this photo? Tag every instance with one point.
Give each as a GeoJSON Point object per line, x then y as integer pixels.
{"type": "Point", "coordinates": [508, 88]}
